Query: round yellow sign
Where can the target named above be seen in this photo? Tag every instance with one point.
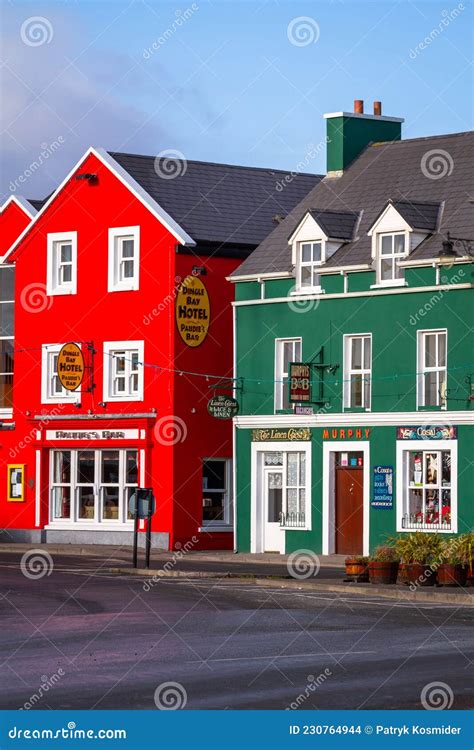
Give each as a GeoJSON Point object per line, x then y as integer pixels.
{"type": "Point", "coordinates": [193, 311]}
{"type": "Point", "coordinates": [71, 367]}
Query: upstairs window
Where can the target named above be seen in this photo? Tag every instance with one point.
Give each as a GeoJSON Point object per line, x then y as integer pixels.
{"type": "Point", "coordinates": [123, 371]}
{"type": "Point", "coordinates": [432, 368]}
{"type": "Point", "coordinates": [52, 392]}
{"type": "Point", "coordinates": [310, 260]}
{"type": "Point", "coordinates": [7, 276]}
{"type": "Point", "coordinates": [286, 351]}
{"type": "Point", "coordinates": [62, 263]}
{"type": "Point", "coordinates": [357, 371]}
{"type": "Point", "coordinates": [124, 248]}
{"type": "Point", "coordinates": [391, 249]}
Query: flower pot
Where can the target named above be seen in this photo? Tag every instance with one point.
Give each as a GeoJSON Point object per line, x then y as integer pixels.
{"type": "Point", "coordinates": [402, 574]}
{"type": "Point", "coordinates": [383, 572]}
{"type": "Point", "coordinates": [356, 571]}
{"type": "Point", "coordinates": [452, 575]}
{"type": "Point", "coordinates": [420, 574]}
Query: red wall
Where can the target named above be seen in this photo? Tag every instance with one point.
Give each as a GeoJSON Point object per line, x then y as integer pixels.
{"type": "Point", "coordinates": [13, 221]}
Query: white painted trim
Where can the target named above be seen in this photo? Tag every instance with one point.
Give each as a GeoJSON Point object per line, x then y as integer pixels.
{"type": "Point", "coordinates": [358, 116]}
{"type": "Point", "coordinates": [142, 468]}
{"type": "Point", "coordinates": [6, 413]}
{"type": "Point", "coordinates": [163, 217]}
{"type": "Point", "coordinates": [257, 276]}
{"type": "Point", "coordinates": [426, 445]}
{"type": "Point", "coordinates": [278, 390]}
{"type": "Point", "coordinates": [434, 261]}
{"type": "Point", "coordinates": [53, 238]}
{"type": "Point", "coordinates": [76, 526]}
{"type": "Point", "coordinates": [133, 284]}
{"type": "Point", "coordinates": [347, 368]}
{"type": "Point", "coordinates": [37, 488]}
{"type": "Point", "coordinates": [329, 447]}
{"type": "Point", "coordinates": [420, 368]}
{"type": "Point", "coordinates": [112, 346]}
{"type": "Point", "coordinates": [22, 203]}
{"type": "Point", "coordinates": [350, 419]}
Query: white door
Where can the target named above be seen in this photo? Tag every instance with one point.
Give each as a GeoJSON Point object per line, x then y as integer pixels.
{"type": "Point", "coordinates": [273, 537]}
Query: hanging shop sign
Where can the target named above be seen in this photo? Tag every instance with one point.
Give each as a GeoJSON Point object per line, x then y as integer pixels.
{"type": "Point", "coordinates": [382, 491]}
{"type": "Point", "coordinates": [223, 407]}
{"type": "Point", "coordinates": [16, 483]}
{"type": "Point", "coordinates": [283, 434]}
{"type": "Point", "coordinates": [299, 383]}
{"type": "Point", "coordinates": [71, 367]}
{"type": "Point", "coordinates": [193, 311]}
{"type": "Point", "coordinates": [336, 433]}
{"type": "Point", "coordinates": [427, 432]}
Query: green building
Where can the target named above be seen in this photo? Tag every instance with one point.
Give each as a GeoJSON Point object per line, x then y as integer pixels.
{"type": "Point", "coordinates": [354, 350]}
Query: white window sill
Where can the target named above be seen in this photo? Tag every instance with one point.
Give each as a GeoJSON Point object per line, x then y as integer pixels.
{"type": "Point", "coordinates": [434, 530]}
{"type": "Point", "coordinates": [61, 400]}
{"type": "Point", "coordinates": [6, 413]}
{"type": "Point", "coordinates": [92, 525]}
{"type": "Point", "coordinates": [295, 528]}
{"type": "Point", "coordinates": [210, 528]}
{"type": "Point", "coordinates": [120, 399]}
{"type": "Point", "coordinates": [125, 288]}
{"type": "Point", "coordinates": [389, 284]}
{"type": "Point", "coordinates": [60, 292]}
{"type": "Point", "coordinates": [307, 290]}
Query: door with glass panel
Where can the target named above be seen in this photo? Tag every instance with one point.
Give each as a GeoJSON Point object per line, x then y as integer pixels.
{"type": "Point", "coordinates": [273, 491]}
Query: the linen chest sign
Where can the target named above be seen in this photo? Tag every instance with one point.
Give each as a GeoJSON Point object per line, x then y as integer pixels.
{"type": "Point", "coordinates": [290, 434]}
{"type": "Point", "coordinates": [427, 432]}
{"type": "Point", "coordinates": [382, 496]}
{"type": "Point", "coordinates": [91, 435]}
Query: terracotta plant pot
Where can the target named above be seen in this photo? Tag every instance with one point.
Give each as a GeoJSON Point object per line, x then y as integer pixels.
{"type": "Point", "coordinates": [420, 574]}
{"type": "Point", "coordinates": [383, 572]}
{"type": "Point", "coordinates": [452, 575]}
{"type": "Point", "coordinates": [402, 574]}
{"type": "Point", "coordinates": [357, 571]}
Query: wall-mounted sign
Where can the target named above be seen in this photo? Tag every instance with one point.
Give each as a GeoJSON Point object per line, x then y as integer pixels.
{"type": "Point", "coordinates": [91, 435]}
{"type": "Point", "coordinates": [382, 491]}
{"type": "Point", "coordinates": [299, 383]}
{"type": "Point", "coordinates": [285, 433]}
{"type": "Point", "coordinates": [304, 410]}
{"type": "Point", "coordinates": [193, 311]}
{"type": "Point", "coordinates": [223, 407]}
{"type": "Point", "coordinates": [336, 433]}
{"type": "Point", "coordinates": [16, 483]}
{"type": "Point", "coordinates": [427, 432]}
{"type": "Point", "coordinates": [7, 425]}
{"type": "Point", "coordinates": [71, 367]}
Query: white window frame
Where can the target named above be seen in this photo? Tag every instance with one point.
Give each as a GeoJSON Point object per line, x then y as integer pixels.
{"type": "Point", "coordinates": [227, 521]}
{"type": "Point", "coordinates": [395, 257]}
{"type": "Point", "coordinates": [421, 446]}
{"type": "Point", "coordinates": [422, 369]}
{"type": "Point", "coordinates": [363, 371]}
{"type": "Point", "coordinates": [116, 236]}
{"type": "Point", "coordinates": [8, 411]}
{"type": "Point", "coordinates": [128, 347]}
{"type": "Point", "coordinates": [309, 264]}
{"type": "Point", "coordinates": [54, 242]}
{"type": "Point", "coordinates": [280, 376]}
{"type": "Point", "coordinates": [48, 352]}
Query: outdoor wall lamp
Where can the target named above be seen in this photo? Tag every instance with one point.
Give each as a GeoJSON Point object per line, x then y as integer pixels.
{"type": "Point", "coordinates": [447, 254]}
{"type": "Point", "coordinates": [200, 270]}
{"type": "Point", "coordinates": [87, 176]}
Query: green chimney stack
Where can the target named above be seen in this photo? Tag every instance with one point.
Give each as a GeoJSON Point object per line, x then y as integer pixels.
{"type": "Point", "coordinates": [348, 133]}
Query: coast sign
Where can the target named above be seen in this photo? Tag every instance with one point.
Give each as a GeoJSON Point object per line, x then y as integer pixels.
{"type": "Point", "coordinates": [193, 311]}
{"type": "Point", "coordinates": [71, 367]}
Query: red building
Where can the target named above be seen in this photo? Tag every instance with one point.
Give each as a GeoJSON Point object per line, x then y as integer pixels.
{"type": "Point", "coordinates": [128, 260]}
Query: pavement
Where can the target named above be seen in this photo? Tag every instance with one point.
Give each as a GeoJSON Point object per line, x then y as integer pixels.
{"type": "Point", "coordinates": [97, 640]}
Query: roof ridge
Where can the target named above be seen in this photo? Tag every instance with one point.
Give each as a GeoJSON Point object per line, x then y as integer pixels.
{"type": "Point", "coordinates": [420, 138]}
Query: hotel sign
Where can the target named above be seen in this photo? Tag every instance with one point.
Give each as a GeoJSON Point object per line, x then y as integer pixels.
{"type": "Point", "coordinates": [91, 435]}
{"type": "Point", "coordinates": [193, 311]}
{"type": "Point", "coordinates": [290, 434]}
{"type": "Point", "coordinates": [299, 383]}
{"type": "Point", "coordinates": [71, 367]}
{"type": "Point", "coordinates": [427, 432]}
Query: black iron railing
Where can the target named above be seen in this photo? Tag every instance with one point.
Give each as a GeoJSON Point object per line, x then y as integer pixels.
{"type": "Point", "coordinates": [420, 524]}
{"type": "Point", "coordinates": [292, 520]}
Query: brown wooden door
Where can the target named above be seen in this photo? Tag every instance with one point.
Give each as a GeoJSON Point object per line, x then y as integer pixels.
{"type": "Point", "coordinates": [349, 511]}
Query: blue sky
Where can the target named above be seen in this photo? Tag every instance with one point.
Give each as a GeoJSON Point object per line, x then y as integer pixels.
{"type": "Point", "coordinates": [241, 82]}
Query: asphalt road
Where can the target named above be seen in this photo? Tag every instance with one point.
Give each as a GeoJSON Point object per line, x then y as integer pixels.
{"type": "Point", "coordinates": [103, 642]}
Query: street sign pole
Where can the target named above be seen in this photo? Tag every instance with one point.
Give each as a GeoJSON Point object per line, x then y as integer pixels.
{"type": "Point", "coordinates": [135, 537]}
{"type": "Point", "coordinates": [148, 535]}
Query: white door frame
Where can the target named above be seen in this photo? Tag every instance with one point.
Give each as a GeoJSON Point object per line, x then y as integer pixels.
{"type": "Point", "coordinates": [329, 490]}
{"type": "Point", "coordinates": [280, 545]}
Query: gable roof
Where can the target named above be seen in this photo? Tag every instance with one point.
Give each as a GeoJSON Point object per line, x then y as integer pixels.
{"type": "Point", "coordinates": [337, 224]}
{"type": "Point", "coordinates": [397, 171]}
{"type": "Point", "coordinates": [221, 203]}
{"type": "Point", "coordinates": [27, 206]}
{"type": "Point", "coordinates": [419, 215]}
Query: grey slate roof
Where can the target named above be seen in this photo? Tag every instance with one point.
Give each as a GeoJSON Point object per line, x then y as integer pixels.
{"type": "Point", "coordinates": [419, 215]}
{"type": "Point", "coordinates": [37, 203]}
{"type": "Point", "coordinates": [220, 203]}
{"type": "Point", "coordinates": [337, 224]}
{"type": "Point", "coordinates": [383, 172]}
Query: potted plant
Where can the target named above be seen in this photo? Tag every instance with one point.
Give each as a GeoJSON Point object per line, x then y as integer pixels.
{"type": "Point", "coordinates": [357, 569]}
{"type": "Point", "coordinates": [452, 571]}
{"type": "Point", "coordinates": [421, 555]}
{"type": "Point", "coordinates": [383, 564]}
{"type": "Point", "coordinates": [464, 545]}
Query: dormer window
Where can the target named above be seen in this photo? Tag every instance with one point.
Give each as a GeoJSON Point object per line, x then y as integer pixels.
{"type": "Point", "coordinates": [391, 249]}
{"type": "Point", "coordinates": [310, 260]}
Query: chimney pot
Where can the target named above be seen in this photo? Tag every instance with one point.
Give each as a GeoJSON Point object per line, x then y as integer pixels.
{"type": "Point", "coordinates": [359, 106]}
{"type": "Point", "coordinates": [378, 109]}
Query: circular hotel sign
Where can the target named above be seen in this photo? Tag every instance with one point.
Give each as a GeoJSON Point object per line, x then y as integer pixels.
{"type": "Point", "coordinates": [71, 367]}
{"type": "Point", "coordinates": [193, 311]}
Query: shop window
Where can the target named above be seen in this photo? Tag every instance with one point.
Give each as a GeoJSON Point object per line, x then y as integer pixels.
{"type": "Point", "coordinates": [432, 357]}
{"type": "Point", "coordinates": [286, 351]}
{"type": "Point", "coordinates": [52, 392]}
{"type": "Point", "coordinates": [429, 490]}
{"type": "Point", "coordinates": [293, 485]}
{"type": "Point", "coordinates": [62, 263]}
{"type": "Point", "coordinates": [357, 371]}
{"type": "Point", "coordinates": [310, 259]}
{"type": "Point", "coordinates": [6, 336]}
{"type": "Point", "coordinates": [216, 492]}
{"type": "Point", "coordinates": [124, 251]}
{"type": "Point", "coordinates": [123, 371]}
{"type": "Point", "coordinates": [390, 250]}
